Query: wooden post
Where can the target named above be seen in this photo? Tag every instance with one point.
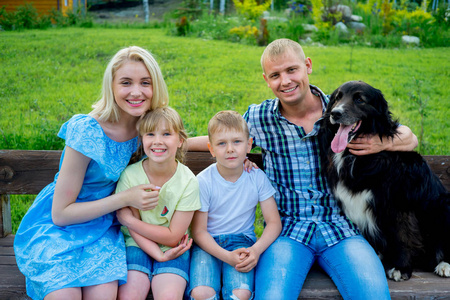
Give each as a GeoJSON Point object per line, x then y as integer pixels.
{"type": "Point", "coordinates": [5, 216]}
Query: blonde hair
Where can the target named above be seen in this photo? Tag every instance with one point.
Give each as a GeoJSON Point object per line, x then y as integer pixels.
{"type": "Point", "coordinates": [279, 47]}
{"type": "Point", "coordinates": [227, 120]}
{"type": "Point", "coordinates": [106, 107]}
{"type": "Point", "coordinates": [154, 118]}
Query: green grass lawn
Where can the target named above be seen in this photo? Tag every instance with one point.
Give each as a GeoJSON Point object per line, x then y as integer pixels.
{"type": "Point", "coordinates": [47, 76]}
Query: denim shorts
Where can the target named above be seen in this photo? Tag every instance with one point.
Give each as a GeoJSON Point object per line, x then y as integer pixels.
{"type": "Point", "coordinates": [138, 260]}
{"type": "Point", "coordinates": [207, 270]}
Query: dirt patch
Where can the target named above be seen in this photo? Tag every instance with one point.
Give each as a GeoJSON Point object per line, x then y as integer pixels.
{"type": "Point", "coordinates": [135, 13]}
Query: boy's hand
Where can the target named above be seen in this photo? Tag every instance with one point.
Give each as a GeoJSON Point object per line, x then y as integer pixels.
{"type": "Point", "coordinates": [249, 261]}
{"type": "Point", "coordinates": [236, 256]}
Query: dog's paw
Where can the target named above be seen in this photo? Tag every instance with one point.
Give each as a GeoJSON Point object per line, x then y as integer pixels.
{"type": "Point", "coordinates": [397, 275]}
{"type": "Point", "coordinates": [443, 269]}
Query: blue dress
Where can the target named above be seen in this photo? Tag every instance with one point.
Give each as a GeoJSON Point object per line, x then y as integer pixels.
{"type": "Point", "coordinates": [53, 257]}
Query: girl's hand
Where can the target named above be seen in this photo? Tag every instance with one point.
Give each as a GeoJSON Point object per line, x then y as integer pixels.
{"type": "Point", "coordinates": [185, 245]}
{"type": "Point", "coordinates": [249, 165]}
{"type": "Point", "coordinates": [143, 197]}
{"type": "Point", "coordinates": [249, 261]}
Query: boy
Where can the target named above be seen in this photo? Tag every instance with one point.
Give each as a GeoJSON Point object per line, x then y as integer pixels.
{"type": "Point", "coordinates": [223, 228]}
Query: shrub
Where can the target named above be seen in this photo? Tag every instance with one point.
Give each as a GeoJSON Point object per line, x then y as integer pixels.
{"type": "Point", "coordinates": [6, 19]}
{"type": "Point", "coordinates": [27, 17]}
{"type": "Point", "coordinates": [386, 23]}
{"type": "Point", "coordinates": [192, 9]}
{"type": "Point", "coordinates": [292, 29]}
{"type": "Point", "coordinates": [182, 26]}
{"type": "Point", "coordinates": [302, 7]}
{"type": "Point", "coordinates": [244, 31]}
{"type": "Point", "coordinates": [210, 26]}
{"type": "Point", "coordinates": [250, 9]}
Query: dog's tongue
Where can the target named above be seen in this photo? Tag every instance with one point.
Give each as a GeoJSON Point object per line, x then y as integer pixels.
{"type": "Point", "coordinates": [340, 140]}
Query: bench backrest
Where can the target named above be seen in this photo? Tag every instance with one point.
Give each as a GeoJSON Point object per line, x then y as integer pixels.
{"type": "Point", "coordinates": [29, 171]}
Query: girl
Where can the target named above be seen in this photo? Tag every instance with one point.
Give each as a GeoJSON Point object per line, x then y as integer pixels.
{"type": "Point", "coordinates": [165, 271]}
{"type": "Point", "coordinates": [68, 244]}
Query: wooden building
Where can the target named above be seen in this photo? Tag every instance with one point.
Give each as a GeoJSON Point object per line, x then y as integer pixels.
{"type": "Point", "coordinates": [45, 6]}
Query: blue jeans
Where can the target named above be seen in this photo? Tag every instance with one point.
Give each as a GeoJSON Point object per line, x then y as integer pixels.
{"type": "Point", "coordinates": [138, 260]}
{"type": "Point", "coordinates": [351, 263]}
{"type": "Point", "coordinates": [206, 270]}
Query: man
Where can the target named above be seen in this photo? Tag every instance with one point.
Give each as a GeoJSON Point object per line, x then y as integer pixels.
{"type": "Point", "coordinates": [314, 229]}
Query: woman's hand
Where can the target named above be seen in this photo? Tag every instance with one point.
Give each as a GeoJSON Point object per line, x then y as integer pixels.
{"type": "Point", "coordinates": [143, 197]}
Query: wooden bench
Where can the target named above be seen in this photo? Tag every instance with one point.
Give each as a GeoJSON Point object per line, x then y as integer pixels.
{"type": "Point", "coordinates": [27, 172]}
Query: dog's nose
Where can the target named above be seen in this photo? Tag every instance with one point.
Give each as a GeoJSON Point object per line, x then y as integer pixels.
{"type": "Point", "coordinates": [336, 114]}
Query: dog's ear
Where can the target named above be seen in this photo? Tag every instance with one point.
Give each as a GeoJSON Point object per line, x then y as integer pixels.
{"type": "Point", "coordinates": [381, 103]}
{"type": "Point", "coordinates": [332, 97]}
{"type": "Point", "coordinates": [384, 123]}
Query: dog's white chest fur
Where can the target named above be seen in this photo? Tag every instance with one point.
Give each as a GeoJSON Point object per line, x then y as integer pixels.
{"type": "Point", "coordinates": [355, 205]}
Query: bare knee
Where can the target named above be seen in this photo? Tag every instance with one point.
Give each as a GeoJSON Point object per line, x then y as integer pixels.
{"type": "Point", "coordinates": [68, 293]}
{"type": "Point", "coordinates": [137, 286]}
{"type": "Point", "coordinates": [132, 293]}
{"type": "Point", "coordinates": [105, 291]}
{"type": "Point", "coordinates": [203, 293]}
{"type": "Point", "coordinates": [172, 295]}
{"type": "Point", "coordinates": [242, 294]}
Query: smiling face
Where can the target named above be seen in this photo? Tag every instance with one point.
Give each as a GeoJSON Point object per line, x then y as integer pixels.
{"type": "Point", "coordinates": [287, 76]}
{"type": "Point", "coordinates": [162, 143]}
{"type": "Point", "coordinates": [230, 148]}
{"type": "Point", "coordinates": [132, 88]}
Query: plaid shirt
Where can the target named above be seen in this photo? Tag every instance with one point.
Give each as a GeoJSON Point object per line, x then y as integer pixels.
{"type": "Point", "coordinates": [291, 161]}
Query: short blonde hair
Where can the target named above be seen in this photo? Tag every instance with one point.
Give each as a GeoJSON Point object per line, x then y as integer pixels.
{"type": "Point", "coordinates": [227, 120]}
{"type": "Point", "coordinates": [154, 118]}
{"type": "Point", "coordinates": [106, 107]}
{"type": "Point", "coordinates": [279, 47]}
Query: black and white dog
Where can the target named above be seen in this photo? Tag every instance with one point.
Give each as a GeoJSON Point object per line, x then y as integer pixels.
{"type": "Point", "coordinates": [399, 205]}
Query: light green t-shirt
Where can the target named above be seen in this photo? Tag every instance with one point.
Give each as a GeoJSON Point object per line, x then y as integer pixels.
{"type": "Point", "coordinates": [181, 192]}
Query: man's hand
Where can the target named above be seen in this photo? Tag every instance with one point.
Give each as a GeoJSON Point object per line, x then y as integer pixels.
{"type": "Point", "coordinates": [368, 144]}
{"type": "Point", "coordinates": [403, 140]}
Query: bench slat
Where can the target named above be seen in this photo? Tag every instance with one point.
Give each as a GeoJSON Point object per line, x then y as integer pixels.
{"type": "Point", "coordinates": [27, 171]}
